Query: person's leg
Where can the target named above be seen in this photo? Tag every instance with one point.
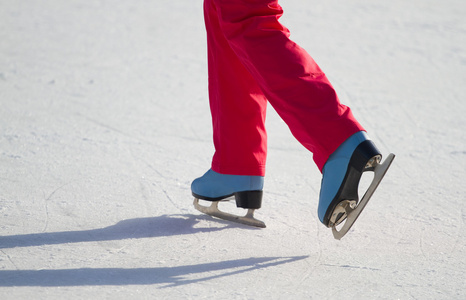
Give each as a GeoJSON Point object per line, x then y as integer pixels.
{"type": "Point", "coordinates": [237, 104]}
{"type": "Point", "coordinates": [238, 109]}
{"type": "Point", "coordinates": [291, 80]}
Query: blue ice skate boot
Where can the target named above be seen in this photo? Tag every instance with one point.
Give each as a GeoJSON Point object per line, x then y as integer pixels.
{"type": "Point", "coordinates": [341, 175]}
{"type": "Point", "coordinates": [213, 186]}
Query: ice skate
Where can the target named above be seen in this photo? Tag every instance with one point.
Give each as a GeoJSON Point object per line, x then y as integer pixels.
{"type": "Point", "coordinates": [339, 199]}
{"type": "Point", "coordinates": [215, 187]}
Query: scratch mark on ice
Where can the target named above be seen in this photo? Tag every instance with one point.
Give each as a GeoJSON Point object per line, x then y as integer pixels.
{"type": "Point", "coordinates": [10, 260]}
{"type": "Point", "coordinates": [46, 200]}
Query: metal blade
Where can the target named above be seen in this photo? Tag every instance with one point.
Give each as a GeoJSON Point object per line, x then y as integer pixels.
{"type": "Point", "coordinates": [213, 211]}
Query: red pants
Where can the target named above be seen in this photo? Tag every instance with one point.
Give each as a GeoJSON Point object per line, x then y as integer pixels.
{"type": "Point", "coordinates": [251, 61]}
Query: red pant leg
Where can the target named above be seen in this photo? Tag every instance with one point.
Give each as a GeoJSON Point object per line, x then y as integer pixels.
{"type": "Point", "coordinates": [237, 104]}
{"type": "Point", "coordinates": [291, 80]}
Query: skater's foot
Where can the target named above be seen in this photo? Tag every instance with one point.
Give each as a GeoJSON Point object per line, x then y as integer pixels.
{"type": "Point", "coordinates": [341, 175]}
{"type": "Point", "coordinates": [213, 186]}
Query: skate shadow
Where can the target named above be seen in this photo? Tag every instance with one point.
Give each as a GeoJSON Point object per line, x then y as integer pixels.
{"type": "Point", "coordinates": [166, 276]}
{"type": "Point", "coordinates": [165, 225]}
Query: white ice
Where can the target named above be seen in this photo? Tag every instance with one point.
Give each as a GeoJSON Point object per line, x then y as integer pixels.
{"type": "Point", "coordinates": [104, 122]}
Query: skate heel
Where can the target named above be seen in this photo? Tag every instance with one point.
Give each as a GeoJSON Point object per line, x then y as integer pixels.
{"type": "Point", "coordinates": [366, 156]}
{"type": "Point", "coordinates": [249, 199]}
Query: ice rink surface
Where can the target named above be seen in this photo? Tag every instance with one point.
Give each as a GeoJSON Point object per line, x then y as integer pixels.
{"type": "Point", "coordinates": [104, 123]}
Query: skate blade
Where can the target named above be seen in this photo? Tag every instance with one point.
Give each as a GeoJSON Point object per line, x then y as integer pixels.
{"type": "Point", "coordinates": [352, 211]}
{"type": "Point", "coordinates": [213, 211]}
